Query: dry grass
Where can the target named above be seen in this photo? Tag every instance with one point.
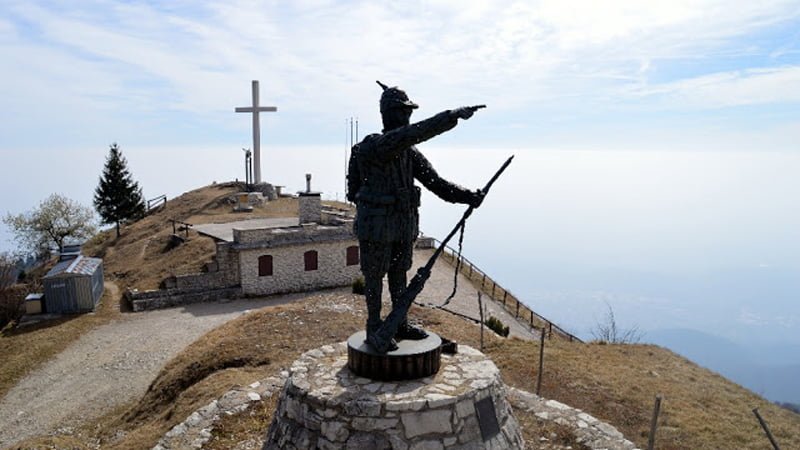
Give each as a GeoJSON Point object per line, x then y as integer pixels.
{"type": "Point", "coordinates": [618, 383]}
{"type": "Point", "coordinates": [26, 348]}
{"type": "Point", "coordinates": [139, 258]}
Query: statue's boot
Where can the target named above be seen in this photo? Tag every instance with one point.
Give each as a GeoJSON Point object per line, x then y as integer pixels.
{"type": "Point", "coordinates": [381, 345]}
{"type": "Point", "coordinates": [374, 323]}
{"type": "Point", "coordinates": [408, 331]}
{"type": "Point", "coordinates": [397, 284]}
{"type": "Point", "coordinates": [378, 344]}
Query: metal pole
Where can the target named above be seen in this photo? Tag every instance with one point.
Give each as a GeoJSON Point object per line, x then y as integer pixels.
{"type": "Point", "coordinates": [766, 429]}
{"type": "Point", "coordinates": [651, 441]}
{"type": "Point", "coordinates": [541, 363]}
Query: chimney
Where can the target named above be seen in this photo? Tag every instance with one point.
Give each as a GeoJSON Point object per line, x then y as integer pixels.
{"type": "Point", "coordinates": [310, 204]}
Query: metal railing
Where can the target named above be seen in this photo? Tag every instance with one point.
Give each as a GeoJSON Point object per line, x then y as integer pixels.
{"type": "Point", "coordinates": [522, 313]}
{"type": "Point", "coordinates": [157, 203]}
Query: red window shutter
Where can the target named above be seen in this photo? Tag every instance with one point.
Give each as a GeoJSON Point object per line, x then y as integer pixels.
{"type": "Point", "coordinates": [310, 258]}
{"type": "Point", "coordinates": [265, 265]}
{"type": "Point", "coordinates": [352, 255]}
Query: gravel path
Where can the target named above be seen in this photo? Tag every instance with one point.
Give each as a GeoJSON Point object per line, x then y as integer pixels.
{"type": "Point", "coordinates": [109, 366]}
{"type": "Point", "coordinates": [465, 302]}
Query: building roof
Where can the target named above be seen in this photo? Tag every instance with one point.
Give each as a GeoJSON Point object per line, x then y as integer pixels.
{"type": "Point", "coordinates": [224, 231]}
{"type": "Point", "coordinates": [82, 265]}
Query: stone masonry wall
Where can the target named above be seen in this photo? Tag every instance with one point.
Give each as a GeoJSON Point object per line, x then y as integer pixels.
{"type": "Point", "coordinates": [168, 298]}
{"type": "Point", "coordinates": [275, 237]}
{"type": "Point", "coordinates": [324, 406]}
{"type": "Point", "coordinates": [310, 208]}
{"type": "Point", "coordinates": [288, 268]}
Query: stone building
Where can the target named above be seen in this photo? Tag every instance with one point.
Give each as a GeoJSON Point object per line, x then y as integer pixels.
{"type": "Point", "coordinates": [315, 250]}
{"type": "Point", "coordinates": [320, 251]}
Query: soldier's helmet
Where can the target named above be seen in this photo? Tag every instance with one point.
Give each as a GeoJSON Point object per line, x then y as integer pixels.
{"type": "Point", "coordinates": [394, 97]}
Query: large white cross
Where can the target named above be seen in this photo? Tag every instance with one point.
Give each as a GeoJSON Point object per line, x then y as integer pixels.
{"type": "Point", "coordinates": [255, 109]}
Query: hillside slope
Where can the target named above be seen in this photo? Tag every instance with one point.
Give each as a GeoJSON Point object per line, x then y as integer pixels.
{"type": "Point", "coordinates": [616, 383]}
{"type": "Point", "coordinates": [141, 257]}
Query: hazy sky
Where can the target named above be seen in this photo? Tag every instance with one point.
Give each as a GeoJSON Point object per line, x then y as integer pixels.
{"type": "Point", "coordinates": [658, 137]}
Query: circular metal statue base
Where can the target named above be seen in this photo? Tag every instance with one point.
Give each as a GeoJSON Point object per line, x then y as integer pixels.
{"type": "Point", "coordinates": [411, 360]}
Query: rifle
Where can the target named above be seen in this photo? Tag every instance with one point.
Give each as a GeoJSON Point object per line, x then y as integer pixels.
{"type": "Point", "coordinates": [381, 339]}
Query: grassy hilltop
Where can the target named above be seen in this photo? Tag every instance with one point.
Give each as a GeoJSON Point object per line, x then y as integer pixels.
{"type": "Point", "coordinates": [616, 383]}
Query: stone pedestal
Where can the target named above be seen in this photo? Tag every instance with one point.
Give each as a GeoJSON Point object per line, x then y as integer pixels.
{"type": "Point", "coordinates": [324, 405]}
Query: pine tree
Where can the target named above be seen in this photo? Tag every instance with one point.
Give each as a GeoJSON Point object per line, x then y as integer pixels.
{"type": "Point", "coordinates": [117, 197]}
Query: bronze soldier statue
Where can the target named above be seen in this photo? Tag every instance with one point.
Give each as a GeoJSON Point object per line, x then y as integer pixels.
{"type": "Point", "coordinates": [381, 174]}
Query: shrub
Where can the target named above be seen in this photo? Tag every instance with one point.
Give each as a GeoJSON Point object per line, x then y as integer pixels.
{"type": "Point", "coordinates": [607, 331]}
{"type": "Point", "coordinates": [359, 286]}
{"type": "Point", "coordinates": [497, 326]}
{"type": "Point", "coordinates": [12, 300]}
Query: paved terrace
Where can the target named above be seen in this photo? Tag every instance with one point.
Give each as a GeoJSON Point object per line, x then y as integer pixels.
{"type": "Point", "coordinates": [224, 231]}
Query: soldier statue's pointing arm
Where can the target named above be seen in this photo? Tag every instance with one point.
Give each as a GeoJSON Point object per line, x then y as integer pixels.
{"type": "Point", "coordinates": [382, 170]}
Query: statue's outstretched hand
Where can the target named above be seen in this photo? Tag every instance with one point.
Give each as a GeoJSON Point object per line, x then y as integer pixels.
{"type": "Point", "coordinates": [477, 198]}
{"type": "Point", "coordinates": [465, 112]}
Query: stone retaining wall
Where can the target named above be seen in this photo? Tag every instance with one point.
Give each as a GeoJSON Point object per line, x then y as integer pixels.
{"type": "Point", "coordinates": [588, 430]}
{"type": "Point", "coordinates": [168, 298]}
{"type": "Point", "coordinates": [196, 429]}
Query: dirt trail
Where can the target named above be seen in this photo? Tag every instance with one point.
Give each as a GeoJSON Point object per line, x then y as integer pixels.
{"type": "Point", "coordinates": [109, 366]}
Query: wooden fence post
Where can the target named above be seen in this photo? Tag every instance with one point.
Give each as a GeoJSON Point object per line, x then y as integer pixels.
{"type": "Point", "coordinates": [766, 429]}
{"type": "Point", "coordinates": [550, 325]}
{"type": "Point", "coordinates": [516, 314]}
{"type": "Point", "coordinates": [480, 311]}
{"type": "Point", "coordinates": [505, 294]}
{"type": "Point", "coordinates": [541, 363]}
{"type": "Point", "coordinates": [651, 441]}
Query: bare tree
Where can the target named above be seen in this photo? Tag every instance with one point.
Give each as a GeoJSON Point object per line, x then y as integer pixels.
{"type": "Point", "coordinates": [55, 220]}
{"type": "Point", "coordinates": [606, 330]}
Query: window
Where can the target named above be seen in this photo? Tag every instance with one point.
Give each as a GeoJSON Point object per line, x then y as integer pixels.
{"type": "Point", "coordinates": [265, 265]}
{"type": "Point", "coordinates": [310, 258]}
{"type": "Point", "coordinates": [352, 255]}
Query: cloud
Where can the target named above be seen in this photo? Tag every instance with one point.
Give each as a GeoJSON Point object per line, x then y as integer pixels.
{"type": "Point", "coordinates": [773, 85]}
{"type": "Point", "coordinates": [319, 59]}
